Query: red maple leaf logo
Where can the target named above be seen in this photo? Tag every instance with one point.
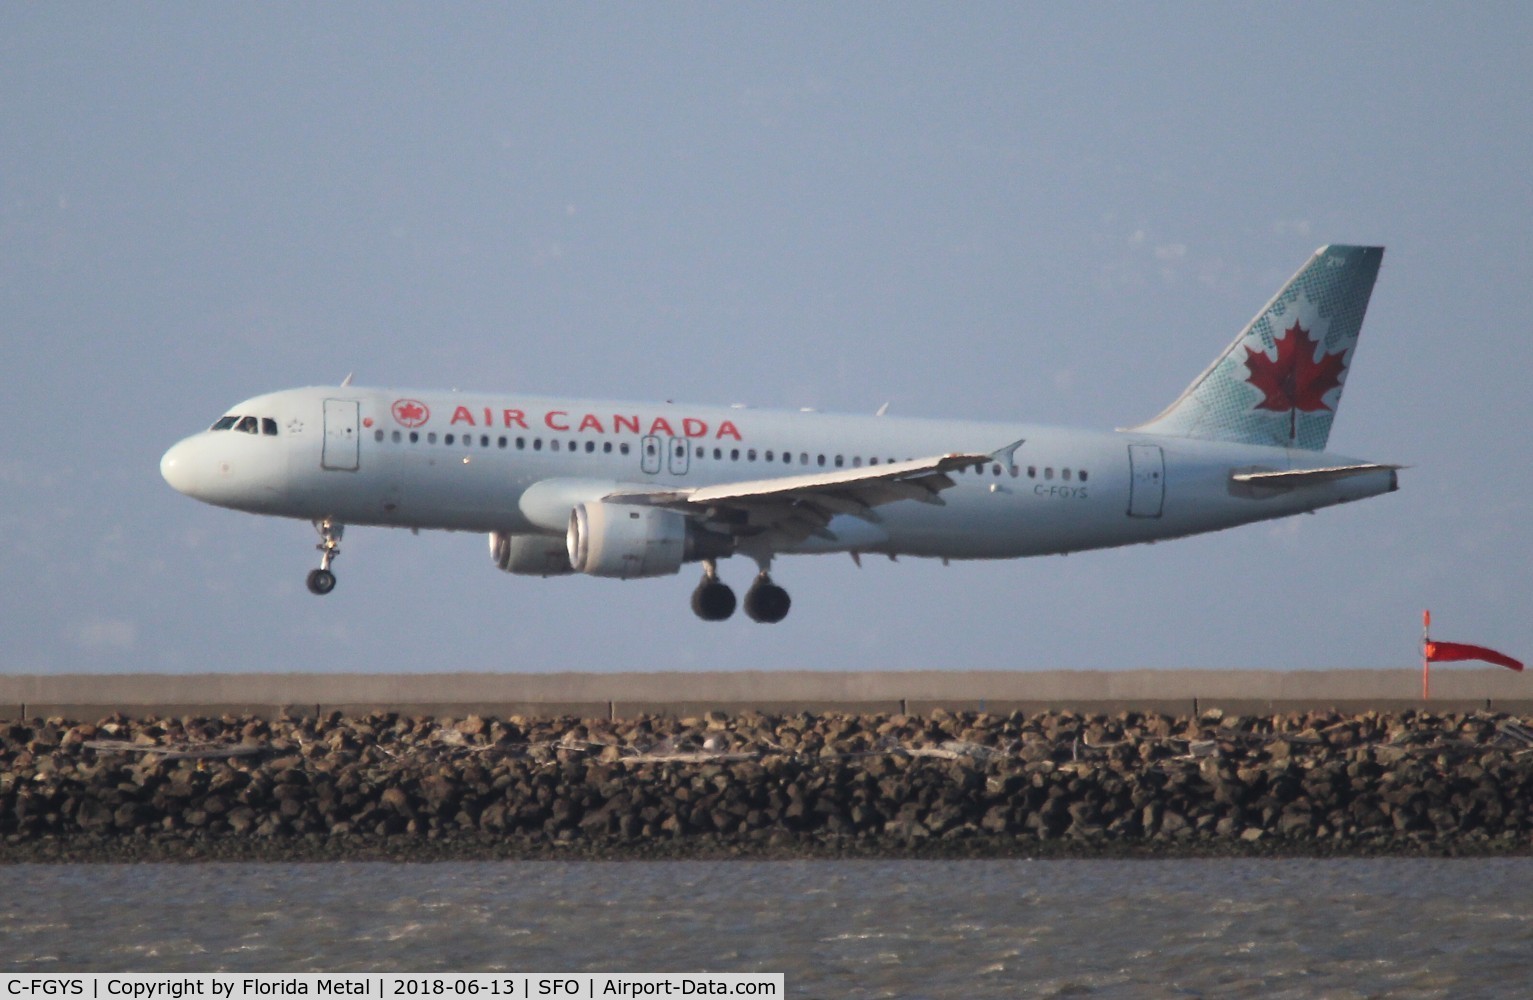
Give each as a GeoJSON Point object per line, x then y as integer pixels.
{"type": "Point", "coordinates": [1295, 380]}
{"type": "Point", "coordinates": [411, 412]}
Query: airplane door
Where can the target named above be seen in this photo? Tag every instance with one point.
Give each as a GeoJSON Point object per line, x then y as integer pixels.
{"type": "Point", "coordinates": [342, 443]}
{"type": "Point", "coordinates": [649, 454]}
{"type": "Point", "coordinates": [1147, 480]}
{"type": "Point", "coordinates": [679, 457]}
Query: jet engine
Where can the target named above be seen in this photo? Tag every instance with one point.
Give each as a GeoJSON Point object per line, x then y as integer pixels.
{"type": "Point", "coordinates": [628, 541]}
{"type": "Point", "coordinates": [530, 555]}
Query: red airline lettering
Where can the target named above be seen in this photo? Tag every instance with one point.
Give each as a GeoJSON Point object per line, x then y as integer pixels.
{"type": "Point", "coordinates": [411, 414]}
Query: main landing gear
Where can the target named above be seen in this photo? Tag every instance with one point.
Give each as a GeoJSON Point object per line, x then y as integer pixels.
{"type": "Point", "coordinates": [321, 581]}
{"type": "Point", "coordinates": [714, 601]}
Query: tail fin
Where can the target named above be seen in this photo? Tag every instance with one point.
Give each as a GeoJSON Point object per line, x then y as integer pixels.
{"type": "Point", "coordinates": [1280, 382]}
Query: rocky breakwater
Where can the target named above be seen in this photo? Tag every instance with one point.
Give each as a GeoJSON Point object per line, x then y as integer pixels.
{"type": "Point", "coordinates": [948, 785]}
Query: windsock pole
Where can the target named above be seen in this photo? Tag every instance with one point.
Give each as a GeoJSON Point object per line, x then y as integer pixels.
{"type": "Point", "coordinates": [1426, 663]}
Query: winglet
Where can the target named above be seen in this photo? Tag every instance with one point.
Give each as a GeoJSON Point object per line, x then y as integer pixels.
{"type": "Point", "coordinates": [1007, 455]}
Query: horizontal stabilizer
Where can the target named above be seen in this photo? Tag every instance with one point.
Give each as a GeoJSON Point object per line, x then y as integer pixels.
{"type": "Point", "coordinates": [1308, 477]}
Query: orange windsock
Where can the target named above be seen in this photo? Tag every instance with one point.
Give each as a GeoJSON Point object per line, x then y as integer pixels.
{"type": "Point", "coordinates": [1439, 652]}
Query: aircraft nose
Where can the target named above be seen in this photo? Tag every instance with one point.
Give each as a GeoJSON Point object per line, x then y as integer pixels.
{"type": "Point", "coordinates": [179, 469]}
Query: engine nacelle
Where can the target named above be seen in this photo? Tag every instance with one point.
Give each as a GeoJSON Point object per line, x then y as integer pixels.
{"type": "Point", "coordinates": [530, 555]}
{"type": "Point", "coordinates": [626, 541]}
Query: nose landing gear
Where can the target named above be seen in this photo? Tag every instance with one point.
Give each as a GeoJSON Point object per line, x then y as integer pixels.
{"type": "Point", "coordinates": [321, 581]}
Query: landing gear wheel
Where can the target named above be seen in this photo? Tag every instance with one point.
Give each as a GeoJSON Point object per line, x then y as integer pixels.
{"type": "Point", "coordinates": [713, 601]}
{"type": "Point", "coordinates": [322, 581]}
{"type": "Point", "coordinates": [766, 602]}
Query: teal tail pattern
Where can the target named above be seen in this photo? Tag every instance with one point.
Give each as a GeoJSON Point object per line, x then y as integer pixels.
{"type": "Point", "coordinates": [1280, 382]}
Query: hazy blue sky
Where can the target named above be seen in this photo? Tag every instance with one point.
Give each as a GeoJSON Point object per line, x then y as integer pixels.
{"type": "Point", "coordinates": [1057, 213]}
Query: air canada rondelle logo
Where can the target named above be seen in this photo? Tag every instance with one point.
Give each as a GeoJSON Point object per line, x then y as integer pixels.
{"type": "Point", "coordinates": [411, 412]}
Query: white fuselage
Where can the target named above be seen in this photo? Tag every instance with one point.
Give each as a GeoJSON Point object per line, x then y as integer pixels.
{"type": "Point", "coordinates": [516, 464]}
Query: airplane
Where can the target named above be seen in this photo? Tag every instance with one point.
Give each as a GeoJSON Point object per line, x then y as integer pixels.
{"type": "Point", "coordinates": [632, 490]}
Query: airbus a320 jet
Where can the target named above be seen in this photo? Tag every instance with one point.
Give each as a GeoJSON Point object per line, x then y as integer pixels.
{"type": "Point", "coordinates": [633, 490]}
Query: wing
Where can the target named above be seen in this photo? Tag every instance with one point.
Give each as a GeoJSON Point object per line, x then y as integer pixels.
{"type": "Point", "coordinates": [793, 508]}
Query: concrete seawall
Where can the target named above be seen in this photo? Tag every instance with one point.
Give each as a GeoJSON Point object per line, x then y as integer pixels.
{"type": "Point", "coordinates": [684, 694]}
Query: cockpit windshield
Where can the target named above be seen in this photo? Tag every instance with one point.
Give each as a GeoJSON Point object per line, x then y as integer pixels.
{"type": "Point", "coordinates": [250, 425]}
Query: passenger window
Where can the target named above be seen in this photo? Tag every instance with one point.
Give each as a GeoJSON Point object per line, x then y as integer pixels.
{"type": "Point", "coordinates": [1048, 472]}
{"type": "Point", "coordinates": [1032, 472]}
{"type": "Point", "coordinates": [431, 438]}
{"type": "Point", "coordinates": [873, 461]}
{"type": "Point", "coordinates": [396, 437]}
{"type": "Point", "coordinates": [718, 453]}
{"type": "Point", "coordinates": [997, 469]}
{"type": "Point", "coordinates": [268, 427]}
{"type": "Point", "coordinates": [821, 459]}
{"type": "Point", "coordinates": [750, 456]}
{"type": "Point", "coordinates": [502, 441]}
{"type": "Point", "coordinates": [224, 423]}
{"type": "Point", "coordinates": [484, 440]}
{"type": "Point", "coordinates": [590, 447]}
{"type": "Point", "coordinates": [623, 448]}
{"type": "Point", "coordinates": [537, 444]}
{"type": "Point", "coordinates": [840, 462]}
{"type": "Point", "coordinates": [553, 445]}
{"type": "Point", "coordinates": [606, 447]}
{"type": "Point", "coordinates": [447, 439]}
{"type": "Point", "coordinates": [856, 461]}
{"type": "Point", "coordinates": [521, 443]}
{"type": "Point", "coordinates": [1083, 475]}
{"type": "Point", "coordinates": [734, 454]}
{"type": "Point", "coordinates": [1064, 474]}
{"type": "Point", "coordinates": [701, 451]}
{"type": "Point", "coordinates": [768, 455]}
{"type": "Point", "coordinates": [415, 437]}
{"type": "Point", "coordinates": [378, 434]}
